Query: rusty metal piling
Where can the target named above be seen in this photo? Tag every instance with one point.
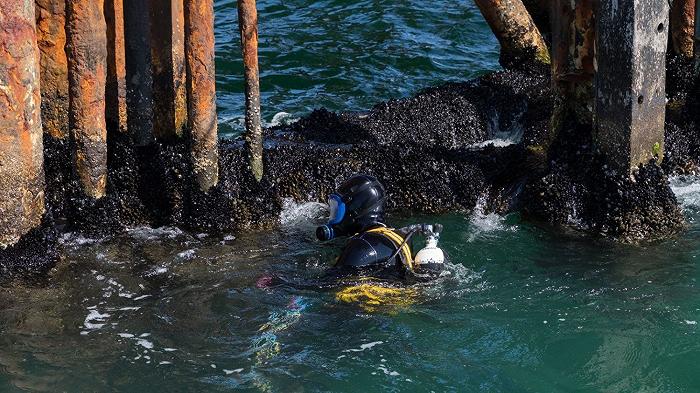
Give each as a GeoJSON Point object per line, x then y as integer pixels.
{"type": "Point", "coordinates": [512, 24]}
{"type": "Point", "coordinates": [248, 26]}
{"type": "Point", "coordinates": [21, 143]}
{"type": "Point", "coordinates": [573, 42]}
{"type": "Point", "coordinates": [115, 96]}
{"type": "Point", "coordinates": [682, 22]}
{"type": "Point", "coordinates": [51, 38]}
{"type": "Point", "coordinates": [168, 69]}
{"type": "Point", "coordinates": [87, 75]}
{"type": "Point", "coordinates": [201, 91]}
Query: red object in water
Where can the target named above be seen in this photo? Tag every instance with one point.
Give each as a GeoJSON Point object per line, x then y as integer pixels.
{"type": "Point", "coordinates": [264, 282]}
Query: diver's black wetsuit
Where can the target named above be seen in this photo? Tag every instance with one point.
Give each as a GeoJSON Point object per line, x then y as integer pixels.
{"type": "Point", "coordinates": [369, 249]}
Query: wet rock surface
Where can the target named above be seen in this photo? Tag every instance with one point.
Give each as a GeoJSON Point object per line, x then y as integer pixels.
{"type": "Point", "coordinates": [579, 190]}
{"type": "Point", "coordinates": [445, 149]}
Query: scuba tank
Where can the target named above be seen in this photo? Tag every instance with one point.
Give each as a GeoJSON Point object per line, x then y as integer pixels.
{"type": "Point", "coordinates": [431, 254]}
{"type": "Point", "coordinates": [431, 257]}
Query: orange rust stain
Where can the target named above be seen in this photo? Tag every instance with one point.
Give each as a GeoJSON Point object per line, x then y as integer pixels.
{"type": "Point", "coordinates": [87, 79]}
{"type": "Point", "coordinates": [21, 158]}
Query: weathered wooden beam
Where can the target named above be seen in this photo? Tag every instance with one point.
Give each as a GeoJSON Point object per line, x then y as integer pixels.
{"type": "Point", "coordinates": [51, 37]}
{"type": "Point", "coordinates": [21, 143]}
{"type": "Point", "coordinates": [573, 42]}
{"type": "Point", "coordinates": [520, 40]}
{"type": "Point", "coordinates": [630, 94]}
{"type": "Point", "coordinates": [115, 96]}
{"type": "Point", "coordinates": [168, 68]}
{"type": "Point", "coordinates": [248, 26]}
{"type": "Point", "coordinates": [682, 27]}
{"type": "Point", "coordinates": [139, 80]}
{"type": "Point", "coordinates": [201, 91]}
{"type": "Point", "coordinates": [87, 75]}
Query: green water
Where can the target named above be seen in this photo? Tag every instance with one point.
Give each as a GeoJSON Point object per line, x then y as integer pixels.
{"type": "Point", "coordinates": [523, 309]}
{"type": "Point", "coordinates": [348, 55]}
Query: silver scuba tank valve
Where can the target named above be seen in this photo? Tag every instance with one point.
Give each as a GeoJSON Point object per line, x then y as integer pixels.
{"type": "Point", "coordinates": [431, 253]}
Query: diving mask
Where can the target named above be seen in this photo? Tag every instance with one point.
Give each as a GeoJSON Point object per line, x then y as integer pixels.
{"type": "Point", "coordinates": [336, 208]}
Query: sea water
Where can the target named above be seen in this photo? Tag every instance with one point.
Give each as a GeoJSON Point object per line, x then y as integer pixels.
{"type": "Point", "coordinates": [520, 309]}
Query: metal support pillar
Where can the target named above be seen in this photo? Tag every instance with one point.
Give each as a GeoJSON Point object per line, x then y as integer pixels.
{"type": "Point", "coordinates": [21, 136]}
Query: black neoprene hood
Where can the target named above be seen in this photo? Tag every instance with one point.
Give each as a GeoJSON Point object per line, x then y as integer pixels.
{"type": "Point", "coordinates": [365, 199]}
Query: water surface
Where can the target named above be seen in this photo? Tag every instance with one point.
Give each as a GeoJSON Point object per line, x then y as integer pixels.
{"type": "Point", "coordinates": [348, 55]}
{"type": "Point", "coordinates": [523, 309]}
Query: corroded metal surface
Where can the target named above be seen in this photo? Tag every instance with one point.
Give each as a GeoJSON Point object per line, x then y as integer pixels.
{"type": "Point", "coordinates": [21, 143]}
{"type": "Point", "coordinates": [683, 26]}
{"type": "Point", "coordinates": [116, 114]}
{"type": "Point", "coordinates": [87, 74]}
{"type": "Point", "coordinates": [248, 26]}
{"type": "Point", "coordinates": [168, 67]}
{"type": "Point", "coordinates": [201, 91]}
{"type": "Point", "coordinates": [630, 96]}
{"type": "Point", "coordinates": [51, 37]}
{"type": "Point", "coordinates": [573, 43]}
{"type": "Point", "coordinates": [520, 39]}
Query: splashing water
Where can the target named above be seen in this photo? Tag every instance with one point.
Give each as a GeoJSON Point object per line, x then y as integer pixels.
{"type": "Point", "coordinates": [484, 225]}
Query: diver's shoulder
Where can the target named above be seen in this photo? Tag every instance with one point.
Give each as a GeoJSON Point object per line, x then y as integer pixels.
{"type": "Point", "coordinates": [359, 251]}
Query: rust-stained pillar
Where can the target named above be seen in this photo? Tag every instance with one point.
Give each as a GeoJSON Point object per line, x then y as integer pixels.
{"type": "Point", "coordinates": [87, 74]}
{"type": "Point", "coordinates": [520, 40]}
{"type": "Point", "coordinates": [115, 96]}
{"type": "Point", "coordinates": [168, 68]}
{"type": "Point", "coordinates": [683, 27]}
{"type": "Point", "coordinates": [201, 91]}
{"type": "Point", "coordinates": [248, 26]}
{"type": "Point", "coordinates": [573, 44]}
{"type": "Point", "coordinates": [630, 92]}
{"type": "Point", "coordinates": [51, 37]}
{"type": "Point", "coordinates": [21, 143]}
{"type": "Point", "coordinates": [139, 81]}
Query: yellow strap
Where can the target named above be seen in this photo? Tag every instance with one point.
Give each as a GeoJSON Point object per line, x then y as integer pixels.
{"type": "Point", "coordinates": [398, 240]}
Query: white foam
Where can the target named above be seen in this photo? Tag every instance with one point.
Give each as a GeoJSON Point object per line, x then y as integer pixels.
{"type": "Point", "coordinates": [95, 316]}
{"type": "Point", "coordinates": [502, 137]}
{"type": "Point", "coordinates": [496, 142]}
{"type": "Point", "coordinates": [75, 240]}
{"type": "Point", "coordinates": [144, 343]}
{"type": "Point", "coordinates": [157, 271]}
{"type": "Point", "coordinates": [148, 233]}
{"type": "Point", "coordinates": [364, 347]}
{"type": "Point", "coordinates": [295, 213]}
{"type": "Point", "coordinates": [483, 223]}
{"type": "Point", "coordinates": [187, 254]}
{"type": "Point", "coordinates": [687, 322]}
{"type": "Point", "coordinates": [687, 190]}
{"type": "Point", "coordinates": [388, 372]}
{"type": "Point", "coordinates": [237, 121]}
{"type": "Point", "coordinates": [282, 118]}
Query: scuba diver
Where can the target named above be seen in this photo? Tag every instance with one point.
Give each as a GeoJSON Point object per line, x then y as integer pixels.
{"type": "Point", "coordinates": [376, 262]}
{"type": "Point", "coordinates": [357, 209]}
